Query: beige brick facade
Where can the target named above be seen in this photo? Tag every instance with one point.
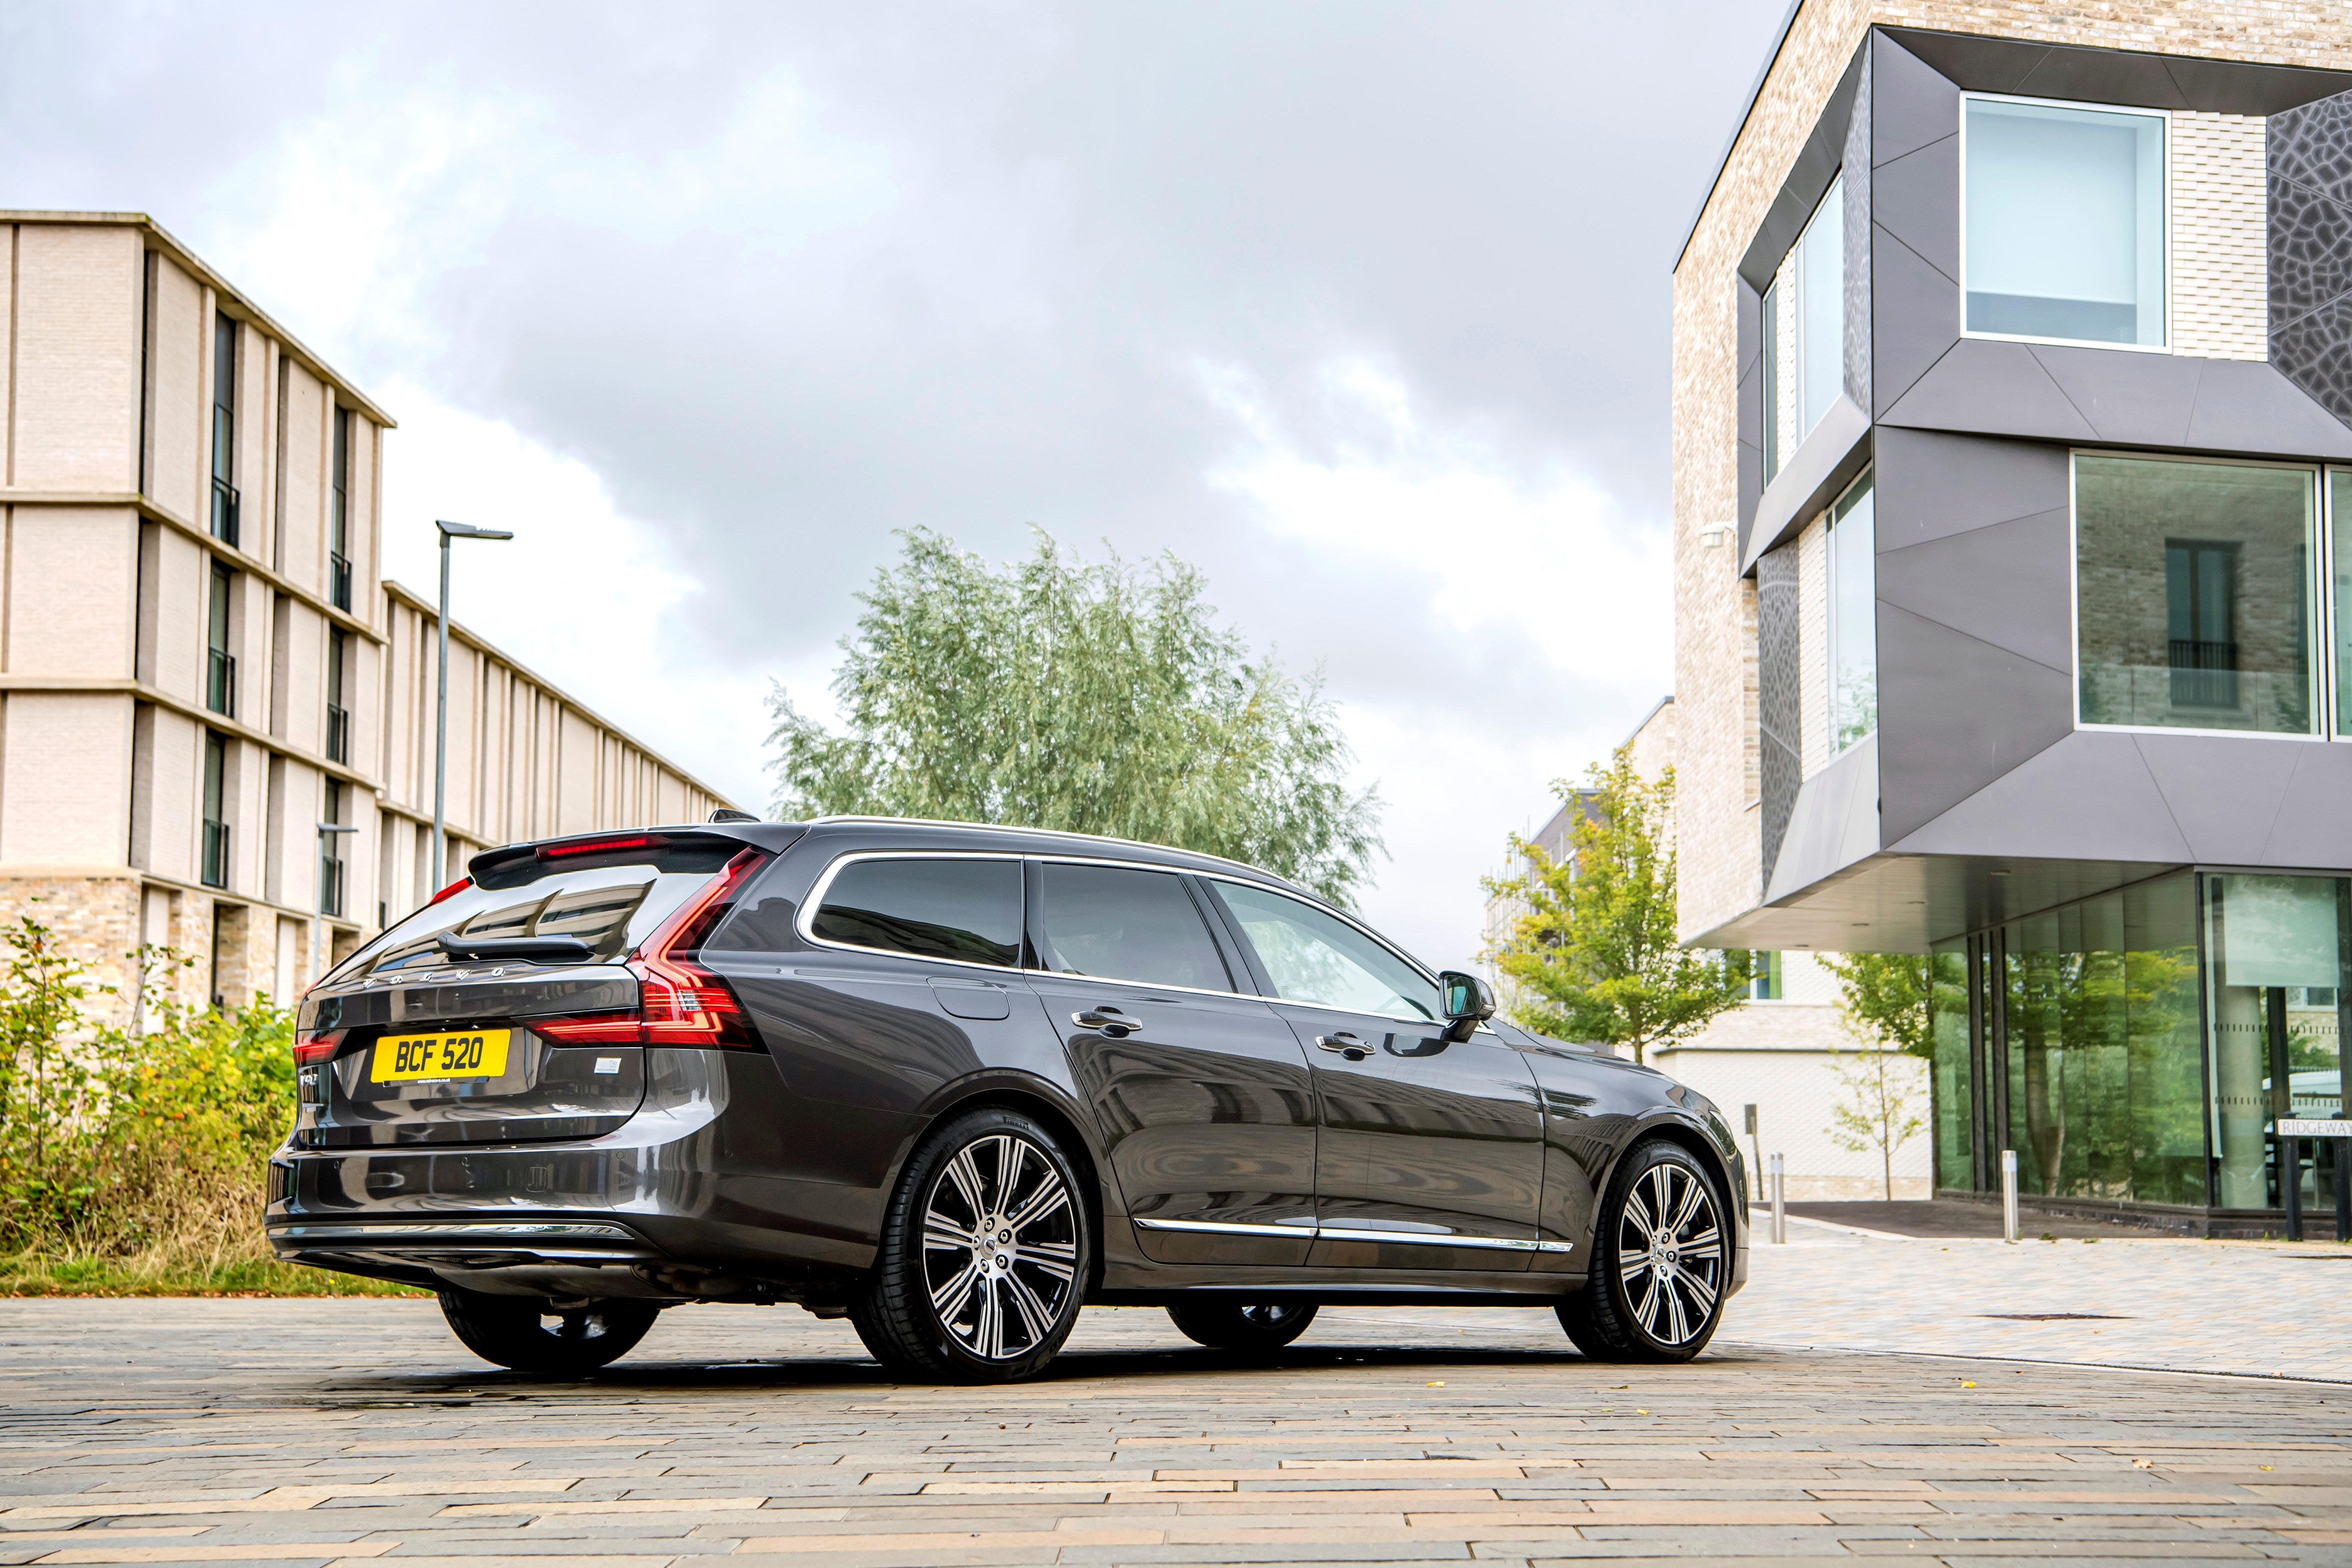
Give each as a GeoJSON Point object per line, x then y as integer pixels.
{"type": "Point", "coordinates": [1715, 617]}
{"type": "Point", "coordinates": [2220, 268]}
{"type": "Point", "coordinates": [148, 647]}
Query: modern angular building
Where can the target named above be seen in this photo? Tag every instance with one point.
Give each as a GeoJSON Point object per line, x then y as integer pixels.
{"type": "Point", "coordinates": [201, 672]}
{"type": "Point", "coordinates": [2013, 569]}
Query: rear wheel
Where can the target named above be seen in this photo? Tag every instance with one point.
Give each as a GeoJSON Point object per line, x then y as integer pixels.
{"type": "Point", "coordinates": [983, 1257]}
{"type": "Point", "coordinates": [1241, 1325]}
{"type": "Point", "coordinates": [1661, 1258]}
{"type": "Point", "coordinates": [530, 1336]}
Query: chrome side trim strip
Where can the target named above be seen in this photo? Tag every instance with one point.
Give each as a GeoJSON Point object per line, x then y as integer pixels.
{"type": "Point", "coordinates": [1351, 1232]}
{"type": "Point", "coordinates": [1302, 1232]}
{"type": "Point", "coordinates": [452, 1231]}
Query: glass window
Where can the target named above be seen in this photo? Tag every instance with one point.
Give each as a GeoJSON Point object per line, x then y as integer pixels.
{"type": "Point", "coordinates": [1314, 956]}
{"type": "Point", "coordinates": [932, 908]}
{"type": "Point", "coordinates": [1955, 1125]}
{"type": "Point", "coordinates": [2065, 218]}
{"type": "Point", "coordinates": [214, 871]}
{"type": "Point", "coordinates": [2195, 595]}
{"type": "Point", "coordinates": [2275, 991]}
{"type": "Point", "coordinates": [2106, 1096]}
{"type": "Point", "coordinates": [224, 497]}
{"type": "Point", "coordinates": [220, 665]}
{"type": "Point", "coordinates": [1853, 560]}
{"type": "Point", "coordinates": [1764, 982]}
{"type": "Point", "coordinates": [1127, 925]}
{"type": "Point", "coordinates": [1809, 301]}
{"type": "Point", "coordinates": [2339, 511]}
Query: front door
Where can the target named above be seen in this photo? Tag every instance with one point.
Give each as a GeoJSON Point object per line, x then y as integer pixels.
{"type": "Point", "coordinates": [1202, 1094]}
{"type": "Point", "coordinates": [1431, 1153]}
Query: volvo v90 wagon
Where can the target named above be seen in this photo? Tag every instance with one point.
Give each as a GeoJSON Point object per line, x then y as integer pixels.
{"type": "Point", "coordinates": [955, 1082]}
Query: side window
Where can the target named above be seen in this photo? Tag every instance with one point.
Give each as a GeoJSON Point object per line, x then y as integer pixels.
{"type": "Point", "coordinates": [1127, 925]}
{"type": "Point", "coordinates": [930, 908]}
{"type": "Point", "coordinates": [1315, 957]}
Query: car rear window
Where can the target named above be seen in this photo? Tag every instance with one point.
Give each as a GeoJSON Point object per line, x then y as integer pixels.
{"type": "Point", "coordinates": [1120, 924]}
{"type": "Point", "coordinates": [612, 906]}
{"type": "Point", "coordinates": [928, 907]}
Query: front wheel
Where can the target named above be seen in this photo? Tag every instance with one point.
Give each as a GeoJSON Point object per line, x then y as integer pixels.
{"type": "Point", "coordinates": [530, 1336]}
{"type": "Point", "coordinates": [985, 1255]}
{"type": "Point", "coordinates": [1241, 1325]}
{"type": "Point", "coordinates": [1660, 1258]}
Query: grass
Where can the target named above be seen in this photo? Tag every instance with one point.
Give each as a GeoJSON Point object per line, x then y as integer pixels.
{"type": "Point", "coordinates": [33, 1274]}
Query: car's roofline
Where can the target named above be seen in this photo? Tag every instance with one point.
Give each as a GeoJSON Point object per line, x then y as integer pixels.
{"type": "Point", "coordinates": [1181, 857]}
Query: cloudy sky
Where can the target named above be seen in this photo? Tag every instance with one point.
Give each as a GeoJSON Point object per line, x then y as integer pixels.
{"type": "Point", "coordinates": [1362, 308]}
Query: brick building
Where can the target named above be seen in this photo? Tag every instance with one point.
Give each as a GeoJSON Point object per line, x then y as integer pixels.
{"type": "Point", "coordinates": [200, 664]}
{"type": "Point", "coordinates": [2013, 569]}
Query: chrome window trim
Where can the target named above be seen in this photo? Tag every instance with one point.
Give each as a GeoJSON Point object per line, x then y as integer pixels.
{"type": "Point", "coordinates": [1320, 1232]}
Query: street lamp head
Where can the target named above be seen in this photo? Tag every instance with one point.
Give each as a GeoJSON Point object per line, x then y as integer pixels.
{"type": "Point", "coordinates": [450, 531]}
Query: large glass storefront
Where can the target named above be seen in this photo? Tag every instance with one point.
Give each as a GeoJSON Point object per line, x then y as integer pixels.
{"type": "Point", "coordinates": [2141, 1045]}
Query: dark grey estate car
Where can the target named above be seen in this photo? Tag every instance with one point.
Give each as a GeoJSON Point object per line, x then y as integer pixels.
{"type": "Point", "coordinates": [955, 1082]}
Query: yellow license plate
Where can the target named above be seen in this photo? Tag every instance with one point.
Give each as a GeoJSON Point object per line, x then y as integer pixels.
{"type": "Point", "coordinates": [431, 1059]}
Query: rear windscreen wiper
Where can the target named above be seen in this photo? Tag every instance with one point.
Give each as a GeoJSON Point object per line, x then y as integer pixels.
{"type": "Point", "coordinates": [525, 948]}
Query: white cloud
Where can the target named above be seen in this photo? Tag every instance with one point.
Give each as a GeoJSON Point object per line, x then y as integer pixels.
{"type": "Point", "coordinates": [1547, 566]}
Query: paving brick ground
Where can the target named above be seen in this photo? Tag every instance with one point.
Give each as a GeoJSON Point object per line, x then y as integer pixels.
{"type": "Point", "coordinates": [353, 1431]}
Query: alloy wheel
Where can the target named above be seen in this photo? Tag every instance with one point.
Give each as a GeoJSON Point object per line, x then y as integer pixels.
{"type": "Point", "coordinates": [1670, 1253]}
{"type": "Point", "coordinates": [1000, 1246]}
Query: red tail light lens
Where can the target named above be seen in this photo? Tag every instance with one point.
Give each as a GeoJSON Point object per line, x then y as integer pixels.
{"type": "Point", "coordinates": [679, 1003]}
{"type": "Point", "coordinates": [460, 885]}
{"type": "Point", "coordinates": [312, 1049]}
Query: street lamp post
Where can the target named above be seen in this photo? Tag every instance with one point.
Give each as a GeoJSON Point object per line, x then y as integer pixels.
{"type": "Point", "coordinates": [449, 530]}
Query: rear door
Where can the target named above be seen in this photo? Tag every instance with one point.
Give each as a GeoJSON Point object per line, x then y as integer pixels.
{"type": "Point", "coordinates": [1202, 1094]}
{"type": "Point", "coordinates": [1432, 1149]}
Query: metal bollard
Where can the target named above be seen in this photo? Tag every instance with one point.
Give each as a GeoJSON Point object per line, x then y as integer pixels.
{"type": "Point", "coordinates": [1779, 1199]}
{"type": "Point", "coordinates": [2009, 1195]}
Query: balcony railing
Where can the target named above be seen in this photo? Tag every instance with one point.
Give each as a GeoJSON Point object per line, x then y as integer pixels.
{"type": "Point", "coordinates": [220, 683]}
{"type": "Point", "coordinates": [2204, 674]}
{"type": "Point", "coordinates": [339, 734]}
{"type": "Point", "coordinates": [224, 511]}
{"type": "Point", "coordinates": [214, 873]}
{"type": "Point", "coordinates": [339, 580]}
{"type": "Point", "coordinates": [331, 886]}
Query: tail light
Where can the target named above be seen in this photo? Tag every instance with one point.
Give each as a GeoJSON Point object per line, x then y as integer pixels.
{"type": "Point", "coordinates": [459, 885]}
{"type": "Point", "coordinates": [312, 1049]}
{"type": "Point", "coordinates": [679, 1003]}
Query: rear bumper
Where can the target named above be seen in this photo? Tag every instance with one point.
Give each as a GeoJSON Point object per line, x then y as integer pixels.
{"type": "Point", "coordinates": [678, 1203]}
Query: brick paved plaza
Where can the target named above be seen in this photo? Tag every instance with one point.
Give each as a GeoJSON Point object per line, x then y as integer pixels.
{"type": "Point", "coordinates": [348, 1430]}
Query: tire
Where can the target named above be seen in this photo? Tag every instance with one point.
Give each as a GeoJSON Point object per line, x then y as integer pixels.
{"type": "Point", "coordinates": [1241, 1325]}
{"type": "Point", "coordinates": [939, 1303]}
{"type": "Point", "coordinates": [1656, 1292]}
{"type": "Point", "coordinates": [513, 1331]}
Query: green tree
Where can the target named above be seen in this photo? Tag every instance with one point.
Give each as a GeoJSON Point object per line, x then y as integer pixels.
{"type": "Point", "coordinates": [1087, 697]}
{"type": "Point", "coordinates": [1886, 998]}
{"type": "Point", "coordinates": [1594, 957]}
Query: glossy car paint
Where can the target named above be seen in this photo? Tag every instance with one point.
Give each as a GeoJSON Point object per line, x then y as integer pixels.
{"type": "Point", "coordinates": [761, 1174]}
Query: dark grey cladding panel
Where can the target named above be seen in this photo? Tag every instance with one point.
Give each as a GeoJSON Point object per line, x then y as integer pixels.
{"type": "Point", "coordinates": [2244, 406]}
{"type": "Point", "coordinates": [1955, 714]}
{"type": "Point", "coordinates": [1916, 319]}
{"type": "Point", "coordinates": [2310, 242]}
{"type": "Point", "coordinates": [1919, 204]}
{"type": "Point", "coordinates": [2118, 76]}
{"type": "Point", "coordinates": [1998, 389]}
{"type": "Point", "coordinates": [1808, 180]}
{"type": "Point", "coordinates": [2085, 796]}
{"type": "Point", "coordinates": [1930, 485]}
{"type": "Point", "coordinates": [2132, 399]}
{"type": "Point", "coordinates": [1910, 104]}
{"type": "Point", "coordinates": [2007, 584]}
{"type": "Point", "coordinates": [2311, 146]}
{"type": "Point", "coordinates": [1779, 705]}
{"type": "Point", "coordinates": [1835, 822]}
{"type": "Point", "coordinates": [2224, 791]}
{"type": "Point", "coordinates": [2316, 350]}
{"type": "Point", "coordinates": [1855, 244]}
{"type": "Point", "coordinates": [2313, 826]}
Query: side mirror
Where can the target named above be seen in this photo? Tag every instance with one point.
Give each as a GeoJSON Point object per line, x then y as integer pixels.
{"type": "Point", "coordinates": [1468, 1002]}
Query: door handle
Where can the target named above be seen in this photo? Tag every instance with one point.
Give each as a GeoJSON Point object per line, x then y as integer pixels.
{"type": "Point", "coordinates": [1346, 1044]}
{"type": "Point", "coordinates": [1108, 1021]}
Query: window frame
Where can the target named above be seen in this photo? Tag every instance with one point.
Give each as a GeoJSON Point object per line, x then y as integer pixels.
{"type": "Point", "coordinates": [2321, 596]}
{"type": "Point", "coordinates": [1832, 516]}
{"type": "Point", "coordinates": [2164, 220]}
{"type": "Point", "coordinates": [1771, 306]}
{"type": "Point", "coordinates": [1214, 919]}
